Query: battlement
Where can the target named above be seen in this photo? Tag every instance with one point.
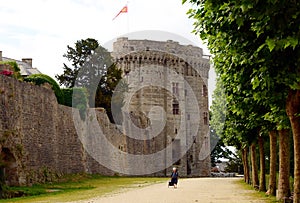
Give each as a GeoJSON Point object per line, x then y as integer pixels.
{"type": "Point", "coordinates": [125, 45]}
{"type": "Point", "coordinates": [190, 54]}
{"type": "Point", "coordinates": [133, 60]}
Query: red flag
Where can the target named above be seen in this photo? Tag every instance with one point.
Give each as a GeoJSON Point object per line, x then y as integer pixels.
{"type": "Point", "coordinates": [123, 10]}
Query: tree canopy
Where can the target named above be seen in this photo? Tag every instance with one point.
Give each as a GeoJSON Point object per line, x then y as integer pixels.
{"type": "Point", "coordinates": [256, 54]}
{"type": "Point", "coordinates": [92, 68]}
{"type": "Point", "coordinates": [77, 56]}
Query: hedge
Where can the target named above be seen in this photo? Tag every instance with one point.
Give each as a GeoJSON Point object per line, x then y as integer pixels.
{"type": "Point", "coordinates": [77, 98]}
{"type": "Point", "coordinates": [39, 79]}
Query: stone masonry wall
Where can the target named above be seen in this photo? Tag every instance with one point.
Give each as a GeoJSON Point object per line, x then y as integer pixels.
{"type": "Point", "coordinates": [159, 78]}
{"type": "Point", "coordinates": [38, 140]}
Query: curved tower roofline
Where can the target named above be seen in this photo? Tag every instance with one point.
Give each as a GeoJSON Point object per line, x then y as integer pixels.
{"type": "Point", "coordinates": [159, 58]}
{"type": "Point", "coordinates": [155, 41]}
{"type": "Point", "coordinates": [146, 44]}
{"type": "Point", "coordinates": [193, 55]}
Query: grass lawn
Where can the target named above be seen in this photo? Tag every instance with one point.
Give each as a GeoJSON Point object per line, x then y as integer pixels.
{"type": "Point", "coordinates": [257, 194]}
{"type": "Point", "coordinates": [79, 187]}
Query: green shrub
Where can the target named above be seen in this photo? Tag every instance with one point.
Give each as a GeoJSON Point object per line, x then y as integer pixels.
{"type": "Point", "coordinates": [67, 94]}
{"type": "Point", "coordinates": [39, 79]}
{"type": "Point", "coordinates": [15, 68]}
{"type": "Point", "coordinates": [77, 98]}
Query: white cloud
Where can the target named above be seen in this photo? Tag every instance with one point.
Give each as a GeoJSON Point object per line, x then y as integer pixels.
{"type": "Point", "coordinates": [42, 29]}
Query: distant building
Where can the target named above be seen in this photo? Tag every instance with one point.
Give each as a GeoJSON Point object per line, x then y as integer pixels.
{"type": "Point", "coordinates": [222, 166]}
{"type": "Point", "coordinates": [25, 65]}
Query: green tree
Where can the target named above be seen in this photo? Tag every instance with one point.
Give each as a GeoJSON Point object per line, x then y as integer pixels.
{"type": "Point", "coordinates": [77, 56]}
{"type": "Point", "coordinates": [236, 93]}
{"type": "Point", "coordinates": [77, 98]}
{"type": "Point", "coordinates": [220, 150]}
{"type": "Point", "coordinates": [92, 68]}
{"type": "Point", "coordinates": [263, 37]}
{"type": "Point", "coordinates": [110, 93]}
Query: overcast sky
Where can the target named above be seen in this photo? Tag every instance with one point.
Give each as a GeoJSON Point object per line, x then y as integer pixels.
{"type": "Point", "coordinates": [42, 29]}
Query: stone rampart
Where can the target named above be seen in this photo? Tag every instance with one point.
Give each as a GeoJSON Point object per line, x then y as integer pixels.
{"type": "Point", "coordinates": [38, 139]}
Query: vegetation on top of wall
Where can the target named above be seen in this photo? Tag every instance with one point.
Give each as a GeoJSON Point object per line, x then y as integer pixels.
{"type": "Point", "coordinates": [15, 68]}
{"type": "Point", "coordinates": [73, 97]}
{"type": "Point", "coordinates": [77, 98]}
{"type": "Point", "coordinates": [40, 79]}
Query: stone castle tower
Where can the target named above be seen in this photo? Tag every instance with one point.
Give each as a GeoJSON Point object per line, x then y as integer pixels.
{"type": "Point", "coordinates": [167, 103]}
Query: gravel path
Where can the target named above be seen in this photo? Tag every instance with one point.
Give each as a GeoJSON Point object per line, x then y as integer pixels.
{"type": "Point", "coordinates": [202, 190]}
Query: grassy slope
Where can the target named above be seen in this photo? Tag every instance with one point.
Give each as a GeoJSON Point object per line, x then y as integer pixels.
{"type": "Point", "coordinates": [81, 187]}
{"type": "Point", "coordinates": [257, 194]}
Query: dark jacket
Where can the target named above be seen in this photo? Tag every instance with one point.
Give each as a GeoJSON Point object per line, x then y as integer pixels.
{"type": "Point", "coordinates": [174, 177]}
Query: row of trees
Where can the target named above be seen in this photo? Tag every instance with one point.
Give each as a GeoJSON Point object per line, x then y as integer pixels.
{"type": "Point", "coordinates": [256, 55]}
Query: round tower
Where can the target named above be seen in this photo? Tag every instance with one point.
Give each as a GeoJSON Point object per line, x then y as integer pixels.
{"type": "Point", "coordinates": [166, 106]}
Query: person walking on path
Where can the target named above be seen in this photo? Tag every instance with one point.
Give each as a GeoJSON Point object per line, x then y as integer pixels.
{"type": "Point", "coordinates": [174, 177]}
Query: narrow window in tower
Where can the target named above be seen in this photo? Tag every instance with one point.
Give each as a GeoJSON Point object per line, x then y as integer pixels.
{"type": "Point", "coordinates": [194, 139]}
{"type": "Point", "coordinates": [175, 108]}
{"type": "Point", "coordinates": [186, 70]}
{"type": "Point", "coordinates": [142, 79]}
{"type": "Point", "coordinates": [206, 143]}
{"type": "Point", "coordinates": [175, 88]}
{"type": "Point", "coordinates": [204, 91]}
{"type": "Point", "coordinates": [191, 158]}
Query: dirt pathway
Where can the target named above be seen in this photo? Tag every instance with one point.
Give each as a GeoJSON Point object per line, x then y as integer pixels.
{"type": "Point", "coordinates": [202, 190]}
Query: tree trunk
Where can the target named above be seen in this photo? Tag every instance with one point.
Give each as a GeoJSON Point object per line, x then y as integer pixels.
{"type": "Point", "coordinates": [293, 108]}
{"type": "Point", "coordinates": [2, 182]}
{"type": "Point", "coordinates": [255, 182]}
{"type": "Point", "coordinates": [284, 165]}
{"type": "Point", "coordinates": [273, 162]}
{"type": "Point", "coordinates": [262, 177]}
{"type": "Point", "coordinates": [245, 164]}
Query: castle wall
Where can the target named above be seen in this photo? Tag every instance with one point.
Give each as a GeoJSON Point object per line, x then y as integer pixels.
{"type": "Point", "coordinates": [38, 139]}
